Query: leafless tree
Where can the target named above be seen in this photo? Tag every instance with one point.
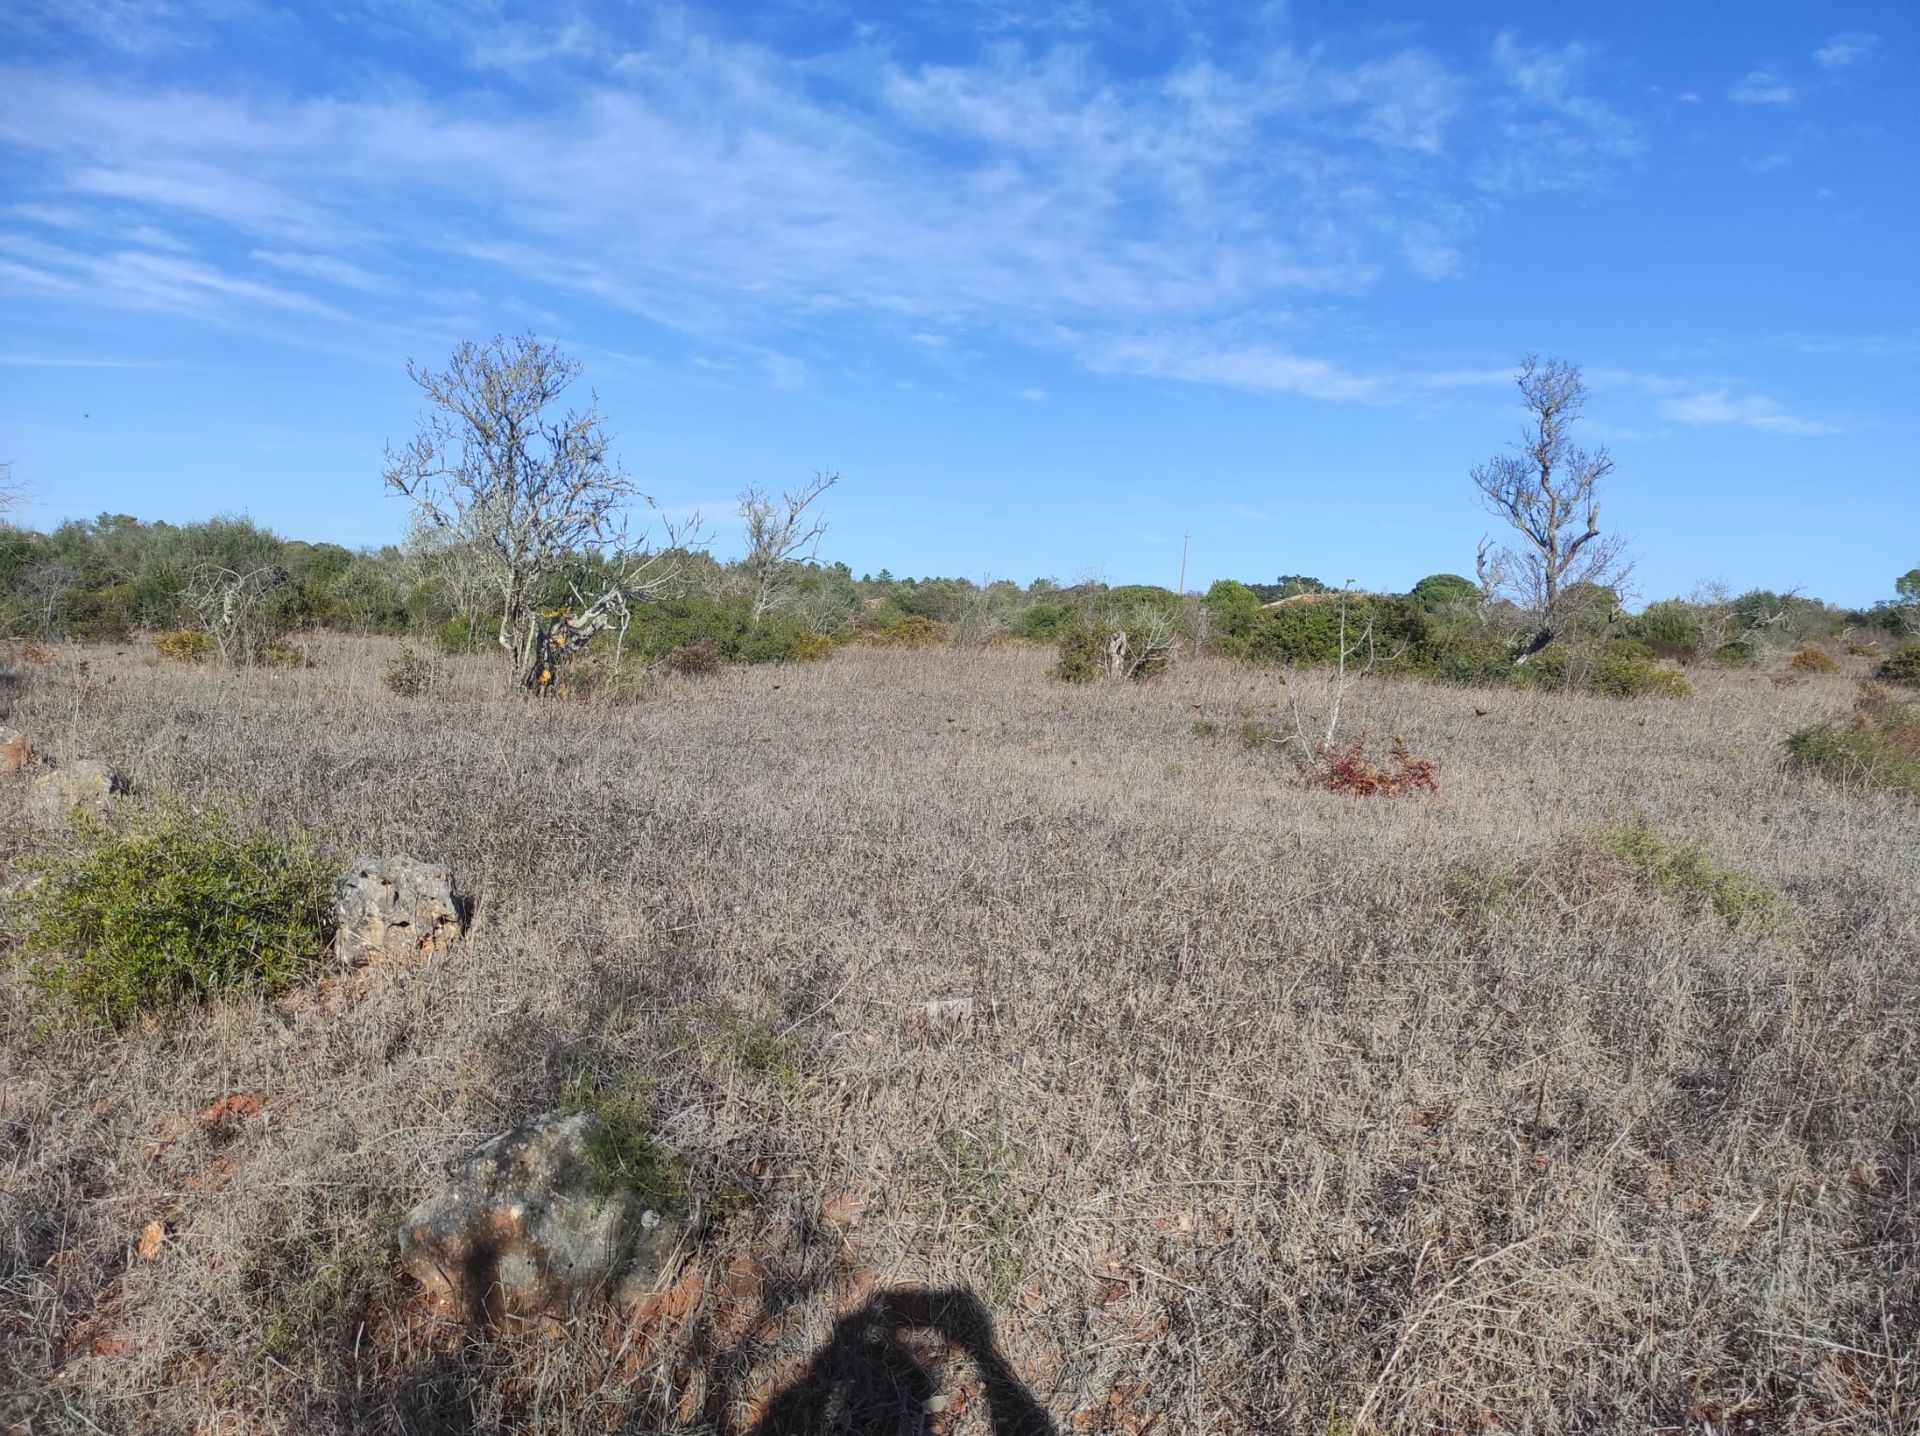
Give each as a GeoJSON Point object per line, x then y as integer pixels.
{"type": "Point", "coordinates": [11, 490]}
{"type": "Point", "coordinates": [1355, 659]}
{"type": "Point", "coordinates": [1548, 492]}
{"type": "Point", "coordinates": [234, 607]}
{"type": "Point", "coordinates": [518, 492]}
{"type": "Point", "coordinates": [780, 533]}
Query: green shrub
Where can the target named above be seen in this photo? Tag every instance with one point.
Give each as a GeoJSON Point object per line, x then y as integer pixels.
{"type": "Point", "coordinates": [1628, 674]}
{"type": "Point", "coordinates": [458, 636]}
{"type": "Point", "coordinates": [1737, 654]}
{"type": "Point", "coordinates": [1902, 667]}
{"type": "Point", "coordinates": [1671, 627]}
{"type": "Point", "coordinates": [1686, 869]}
{"type": "Point", "coordinates": [1812, 658]}
{"type": "Point", "coordinates": [1086, 652]}
{"type": "Point", "coordinates": [167, 908]}
{"type": "Point", "coordinates": [1880, 748]}
{"type": "Point", "coordinates": [1439, 591]}
{"type": "Point", "coordinates": [1308, 632]}
{"type": "Point", "coordinates": [914, 630]}
{"type": "Point", "coordinates": [411, 674]}
{"type": "Point", "coordinates": [184, 645]}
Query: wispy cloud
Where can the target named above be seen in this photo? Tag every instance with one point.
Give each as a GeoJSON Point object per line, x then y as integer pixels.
{"type": "Point", "coordinates": [1761, 87]}
{"type": "Point", "coordinates": [1752, 411]}
{"type": "Point", "coordinates": [735, 193]}
{"type": "Point", "coordinates": [1260, 368]}
{"type": "Point", "coordinates": [1556, 135]}
{"type": "Point", "coordinates": [1847, 48]}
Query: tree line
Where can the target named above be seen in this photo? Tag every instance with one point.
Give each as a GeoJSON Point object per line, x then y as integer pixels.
{"type": "Point", "coordinates": [530, 540]}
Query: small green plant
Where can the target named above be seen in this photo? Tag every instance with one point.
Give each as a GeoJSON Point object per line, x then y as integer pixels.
{"type": "Point", "coordinates": [1255, 734]}
{"type": "Point", "coordinates": [754, 1045]}
{"type": "Point", "coordinates": [1687, 870]}
{"type": "Point", "coordinates": [978, 1166]}
{"type": "Point", "coordinates": [1483, 893]}
{"type": "Point", "coordinates": [338, 1280]}
{"type": "Point", "coordinates": [412, 674]}
{"type": "Point", "coordinates": [1879, 748]}
{"type": "Point", "coordinates": [624, 1153]}
{"type": "Point", "coordinates": [1201, 728]}
{"type": "Point", "coordinates": [1812, 658]}
{"type": "Point", "coordinates": [168, 907]}
{"type": "Point", "coordinates": [1902, 667]}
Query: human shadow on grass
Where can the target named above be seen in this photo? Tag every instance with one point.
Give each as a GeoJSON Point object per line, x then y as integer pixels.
{"type": "Point", "coordinates": [880, 1370]}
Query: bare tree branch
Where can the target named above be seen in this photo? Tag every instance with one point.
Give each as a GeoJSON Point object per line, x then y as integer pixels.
{"type": "Point", "coordinates": [1547, 492]}
{"type": "Point", "coordinates": [779, 534]}
{"type": "Point", "coordinates": [515, 493]}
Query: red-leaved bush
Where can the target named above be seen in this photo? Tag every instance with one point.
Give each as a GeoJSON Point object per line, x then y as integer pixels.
{"type": "Point", "coordinates": [1348, 769]}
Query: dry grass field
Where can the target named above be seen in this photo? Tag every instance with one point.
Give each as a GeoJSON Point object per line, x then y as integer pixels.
{"type": "Point", "coordinates": [1279, 1110]}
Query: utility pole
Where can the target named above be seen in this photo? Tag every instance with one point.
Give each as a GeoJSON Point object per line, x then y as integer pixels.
{"type": "Point", "coordinates": [1182, 590]}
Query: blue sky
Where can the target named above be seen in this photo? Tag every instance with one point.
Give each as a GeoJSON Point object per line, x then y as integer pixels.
{"type": "Point", "coordinates": [1048, 285]}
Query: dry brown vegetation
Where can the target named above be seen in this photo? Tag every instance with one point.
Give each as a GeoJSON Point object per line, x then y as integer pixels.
{"type": "Point", "coordinates": [1279, 1109]}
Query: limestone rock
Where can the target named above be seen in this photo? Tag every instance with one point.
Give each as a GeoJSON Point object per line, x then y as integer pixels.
{"type": "Point", "coordinates": [528, 1226]}
{"type": "Point", "coordinates": [85, 785]}
{"type": "Point", "coordinates": [394, 907]}
{"type": "Point", "coordinates": [15, 750]}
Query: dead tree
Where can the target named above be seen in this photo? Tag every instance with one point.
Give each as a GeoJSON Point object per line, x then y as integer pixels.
{"type": "Point", "coordinates": [1311, 748]}
{"type": "Point", "coordinates": [519, 492]}
{"type": "Point", "coordinates": [235, 607]}
{"type": "Point", "coordinates": [779, 534]}
{"type": "Point", "coordinates": [1547, 490]}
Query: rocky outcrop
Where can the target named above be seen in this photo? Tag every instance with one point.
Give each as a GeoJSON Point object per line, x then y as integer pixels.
{"type": "Point", "coordinates": [394, 907]}
{"type": "Point", "coordinates": [85, 785]}
{"type": "Point", "coordinates": [529, 1224]}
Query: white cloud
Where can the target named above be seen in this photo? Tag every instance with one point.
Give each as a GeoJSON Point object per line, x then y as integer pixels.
{"type": "Point", "coordinates": [1260, 368]}
{"type": "Point", "coordinates": [1031, 395]}
{"type": "Point", "coordinates": [736, 194]}
{"type": "Point", "coordinates": [1553, 135]}
{"type": "Point", "coordinates": [1752, 411]}
{"type": "Point", "coordinates": [1847, 48]}
{"type": "Point", "coordinates": [1761, 87]}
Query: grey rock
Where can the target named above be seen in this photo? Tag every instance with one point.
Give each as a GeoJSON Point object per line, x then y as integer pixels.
{"type": "Point", "coordinates": [394, 907]}
{"type": "Point", "coordinates": [527, 1225]}
{"type": "Point", "coordinates": [85, 785]}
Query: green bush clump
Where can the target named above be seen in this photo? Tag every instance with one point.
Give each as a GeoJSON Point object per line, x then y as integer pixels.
{"type": "Point", "coordinates": [1628, 674]}
{"type": "Point", "coordinates": [1686, 869]}
{"type": "Point", "coordinates": [1902, 667]}
{"type": "Point", "coordinates": [1671, 627]}
{"type": "Point", "coordinates": [167, 908]}
{"type": "Point", "coordinates": [411, 674]}
{"type": "Point", "coordinates": [1308, 631]}
{"type": "Point", "coordinates": [1440, 591]}
{"type": "Point", "coordinates": [1086, 653]}
{"type": "Point", "coordinates": [184, 645]}
{"type": "Point", "coordinates": [1737, 654]}
{"type": "Point", "coordinates": [1880, 748]}
{"type": "Point", "coordinates": [913, 630]}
